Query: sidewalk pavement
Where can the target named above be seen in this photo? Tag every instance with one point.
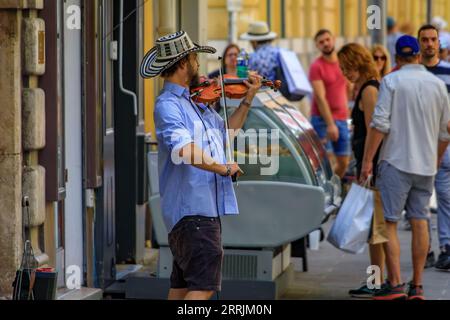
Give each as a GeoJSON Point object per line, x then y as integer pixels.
{"type": "Point", "coordinates": [332, 273]}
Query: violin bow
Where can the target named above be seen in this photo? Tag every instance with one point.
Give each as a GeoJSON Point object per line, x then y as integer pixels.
{"type": "Point", "coordinates": [228, 151]}
{"type": "Point", "coordinates": [227, 123]}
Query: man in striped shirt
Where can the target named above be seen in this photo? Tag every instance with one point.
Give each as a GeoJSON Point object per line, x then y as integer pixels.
{"type": "Point", "coordinates": [429, 44]}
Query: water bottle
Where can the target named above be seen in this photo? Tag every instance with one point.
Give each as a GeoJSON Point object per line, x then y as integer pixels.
{"type": "Point", "coordinates": [242, 65]}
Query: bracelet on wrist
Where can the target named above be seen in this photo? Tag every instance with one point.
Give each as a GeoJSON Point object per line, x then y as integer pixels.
{"type": "Point", "coordinates": [228, 173]}
{"type": "Point", "coordinates": [246, 103]}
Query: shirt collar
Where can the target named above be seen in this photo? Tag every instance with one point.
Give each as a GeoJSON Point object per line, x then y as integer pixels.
{"type": "Point", "coordinates": [264, 46]}
{"type": "Point", "coordinates": [414, 66]}
{"type": "Point", "coordinates": [202, 106]}
{"type": "Point", "coordinates": [180, 91]}
{"type": "Point", "coordinates": [436, 65]}
{"type": "Point", "coordinates": [176, 89]}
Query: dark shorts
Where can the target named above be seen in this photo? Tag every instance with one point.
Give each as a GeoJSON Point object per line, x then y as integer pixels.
{"type": "Point", "coordinates": [196, 245]}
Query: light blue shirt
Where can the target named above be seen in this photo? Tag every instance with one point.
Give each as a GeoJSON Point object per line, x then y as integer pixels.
{"type": "Point", "coordinates": [413, 109]}
{"type": "Point", "coordinates": [184, 189]}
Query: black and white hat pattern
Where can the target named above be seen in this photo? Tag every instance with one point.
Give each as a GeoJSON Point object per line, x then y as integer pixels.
{"type": "Point", "coordinates": [169, 50]}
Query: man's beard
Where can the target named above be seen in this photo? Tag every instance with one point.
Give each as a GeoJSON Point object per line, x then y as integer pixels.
{"type": "Point", "coordinates": [195, 81]}
{"type": "Point", "coordinates": [427, 55]}
{"type": "Point", "coordinates": [193, 76]}
{"type": "Point", "coordinates": [328, 53]}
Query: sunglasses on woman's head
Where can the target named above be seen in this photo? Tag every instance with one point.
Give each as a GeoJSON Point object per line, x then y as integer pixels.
{"type": "Point", "coordinates": [377, 58]}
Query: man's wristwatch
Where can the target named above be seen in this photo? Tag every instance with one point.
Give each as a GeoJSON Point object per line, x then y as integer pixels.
{"type": "Point", "coordinates": [246, 103]}
{"type": "Point", "coordinates": [228, 171]}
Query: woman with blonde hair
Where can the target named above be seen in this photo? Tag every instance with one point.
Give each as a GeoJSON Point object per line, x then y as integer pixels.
{"type": "Point", "coordinates": [359, 67]}
{"type": "Point", "coordinates": [382, 59]}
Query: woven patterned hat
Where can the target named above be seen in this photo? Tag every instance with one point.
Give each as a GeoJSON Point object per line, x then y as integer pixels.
{"type": "Point", "coordinates": [169, 50]}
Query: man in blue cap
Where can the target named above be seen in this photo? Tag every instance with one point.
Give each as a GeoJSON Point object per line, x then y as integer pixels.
{"type": "Point", "coordinates": [411, 116]}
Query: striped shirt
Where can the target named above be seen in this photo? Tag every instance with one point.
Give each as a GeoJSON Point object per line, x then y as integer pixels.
{"type": "Point", "coordinates": [442, 71]}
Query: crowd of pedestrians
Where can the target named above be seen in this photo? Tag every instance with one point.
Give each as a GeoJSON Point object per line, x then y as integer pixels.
{"type": "Point", "coordinates": [400, 120]}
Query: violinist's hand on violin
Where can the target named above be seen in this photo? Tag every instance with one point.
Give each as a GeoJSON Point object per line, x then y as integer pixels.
{"type": "Point", "coordinates": [202, 78]}
{"type": "Point", "coordinates": [253, 85]}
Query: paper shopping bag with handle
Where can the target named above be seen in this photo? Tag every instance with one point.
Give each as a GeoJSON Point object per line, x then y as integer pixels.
{"type": "Point", "coordinates": [351, 229]}
{"type": "Point", "coordinates": [378, 230]}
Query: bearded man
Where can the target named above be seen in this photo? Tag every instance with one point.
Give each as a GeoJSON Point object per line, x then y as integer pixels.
{"type": "Point", "coordinates": [194, 176]}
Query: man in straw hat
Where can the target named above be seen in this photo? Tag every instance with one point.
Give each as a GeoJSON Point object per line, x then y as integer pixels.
{"type": "Point", "coordinates": [265, 59]}
{"type": "Point", "coordinates": [194, 176]}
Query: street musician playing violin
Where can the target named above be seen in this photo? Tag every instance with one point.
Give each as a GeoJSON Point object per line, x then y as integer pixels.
{"type": "Point", "coordinates": [194, 175]}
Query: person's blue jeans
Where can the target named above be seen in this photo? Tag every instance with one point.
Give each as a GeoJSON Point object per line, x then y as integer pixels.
{"type": "Point", "coordinates": [340, 148]}
{"type": "Point", "coordinates": [442, 185]}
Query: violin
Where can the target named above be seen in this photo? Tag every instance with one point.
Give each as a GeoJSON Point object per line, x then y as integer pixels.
{"type": "Point", "coordinates": [210, 91]}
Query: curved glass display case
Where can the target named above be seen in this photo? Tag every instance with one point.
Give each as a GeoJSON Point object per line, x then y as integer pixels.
{"type": "Point", "coordinates": [302, 157]}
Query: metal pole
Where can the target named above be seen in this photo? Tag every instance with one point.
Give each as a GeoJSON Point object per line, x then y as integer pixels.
{"type": "Point", "coordinates": [429, 10]}
{"type": "Point", "coordinates": [283, 18]}
{"type": "Point", "coordinates": [232, 28]}
{"type": "Point", "coordinates": [379, 35]}
{"type": "Point", "coordinates": [342, 17]}
{"type": "Point", "coordinates": [233, 6]}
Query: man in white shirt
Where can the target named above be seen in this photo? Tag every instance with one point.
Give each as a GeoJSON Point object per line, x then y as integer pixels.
{"type": "Point", "coordinates": [412, 114]}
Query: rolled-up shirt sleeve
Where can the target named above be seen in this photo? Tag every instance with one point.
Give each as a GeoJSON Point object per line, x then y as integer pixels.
{"type": "Point", "coordinates": [171, 128]}
{"type": "Point", "coordinates": [381, 119]}
{"type": "Point", "coordinates": [445, 118]}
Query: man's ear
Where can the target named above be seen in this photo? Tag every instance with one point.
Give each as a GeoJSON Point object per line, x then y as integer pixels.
{"type": "Point", "coordinates": [184, 62]}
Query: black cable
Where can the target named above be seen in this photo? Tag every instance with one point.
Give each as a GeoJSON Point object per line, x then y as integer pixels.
{"type": "Point", "coordinates": [215, 175]}
{"type": "Point", "coordinates": [126, 18]}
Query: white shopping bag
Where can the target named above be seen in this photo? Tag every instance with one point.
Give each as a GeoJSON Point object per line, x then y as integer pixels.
{"type": "Point", "coordinates": [296, 77]}
{"type": "Point", "coordinates": [350, 231]}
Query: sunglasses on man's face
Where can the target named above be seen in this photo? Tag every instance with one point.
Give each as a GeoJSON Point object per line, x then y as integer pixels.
{"type": "Point", "coordinates": [379, 58]}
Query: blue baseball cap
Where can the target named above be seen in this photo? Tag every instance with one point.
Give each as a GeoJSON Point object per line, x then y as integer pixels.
{"type": "Point", "coordinates": [407, 46]}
